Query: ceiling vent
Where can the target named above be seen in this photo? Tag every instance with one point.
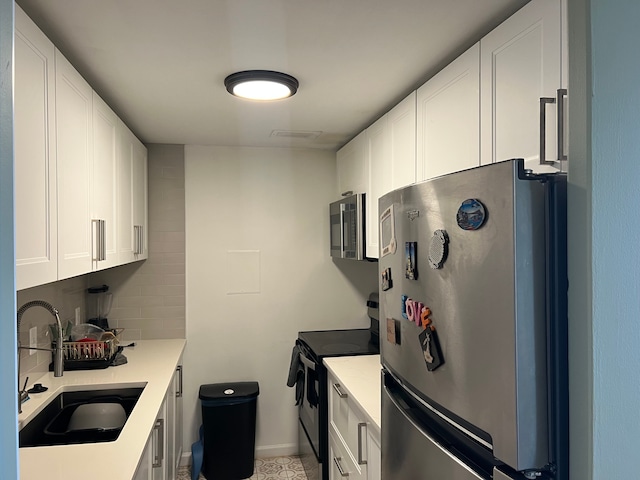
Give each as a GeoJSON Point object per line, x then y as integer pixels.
{"type": "Point", "coordinates": [301, 134]}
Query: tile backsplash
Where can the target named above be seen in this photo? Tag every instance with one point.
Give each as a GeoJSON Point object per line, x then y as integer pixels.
{"type": "Point", "coordinates": [148, 296]}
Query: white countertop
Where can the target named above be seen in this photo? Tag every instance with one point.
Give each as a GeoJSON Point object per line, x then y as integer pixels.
{"type": "Point", "coordinates": [360, 377]}
{"type": "Point", "coordinates": [152, 362]}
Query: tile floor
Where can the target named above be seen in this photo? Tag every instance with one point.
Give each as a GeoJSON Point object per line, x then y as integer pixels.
{"type": "Point", "coordinates": [273, 468]}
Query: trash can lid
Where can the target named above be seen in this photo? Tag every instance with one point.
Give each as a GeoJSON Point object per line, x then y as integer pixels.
{"type": "Point", "coordinates": [229, 390]}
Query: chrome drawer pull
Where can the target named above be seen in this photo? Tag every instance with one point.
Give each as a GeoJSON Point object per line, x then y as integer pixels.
{"type": "Point", "coordinates": [341, 394]}
{"type": "Point", "coordinates": [336, 460]}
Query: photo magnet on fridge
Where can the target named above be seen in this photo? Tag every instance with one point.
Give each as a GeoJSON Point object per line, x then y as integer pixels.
{"type": "Point", "coordinates": [411, 265]}
{"type": "Point", "coordinates": [386, 282]}
{"type": "Point", "coordinates": [431, 349]}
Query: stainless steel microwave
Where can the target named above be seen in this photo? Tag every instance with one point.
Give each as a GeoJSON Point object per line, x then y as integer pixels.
{"type": "Point", "coordinates": [347, 227]}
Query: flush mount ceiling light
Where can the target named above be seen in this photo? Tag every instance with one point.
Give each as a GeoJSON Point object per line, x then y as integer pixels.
{"type": "Point", "coordinates": [261, 85]}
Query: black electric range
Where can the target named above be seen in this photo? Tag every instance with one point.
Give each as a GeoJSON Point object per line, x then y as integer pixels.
{"type": "Point", "coordinates": [339, 343]}
{"type": "Point", "coordinates": [313, 413]}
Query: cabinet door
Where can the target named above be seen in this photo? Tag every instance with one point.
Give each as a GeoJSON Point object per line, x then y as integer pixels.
{"type": "Point", "coordinates": [159, 470]}
{"type": "Point", "coordinates": [35, 156]}
{"type": "Point", "coordinates": [374, 465]}
{"type": "Point", "coordinates": [520, 64]}
{"type": "Point", "coordinates": [391, 153]}
{"type": "Point", "coordinates": [351, 161]}
{"type": "Point", "coordinates": [126, 234]}
{"type": "Point", "coordinates": [145, 466]}
{"type": "Point", "coordinates": [140, 202]}
{"type": "Point", "coordinates": [402, 143]}
{"type": "Point", "coordinates": [104, 181]}
{"type": "Point", "coordinates": [74, 99]}
{"type": "Point", "coordinates": [448, 123]}
{"type": "Point", "coordinates": [379, 158]}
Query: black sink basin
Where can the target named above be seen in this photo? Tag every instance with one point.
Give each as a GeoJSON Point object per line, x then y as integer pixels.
{"type": "Point", "coordinates": [51, 425]}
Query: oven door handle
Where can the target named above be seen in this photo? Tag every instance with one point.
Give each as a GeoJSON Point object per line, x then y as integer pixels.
{"type": "Point", "coordinates": [310, 364]}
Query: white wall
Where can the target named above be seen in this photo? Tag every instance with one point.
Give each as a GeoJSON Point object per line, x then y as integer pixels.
{"type": "Point", "coordinates": [604, 260]}
{"type": "Point", "coordinates": [271, 205]}
{"type": "Point", "coordinates": [8, 340]}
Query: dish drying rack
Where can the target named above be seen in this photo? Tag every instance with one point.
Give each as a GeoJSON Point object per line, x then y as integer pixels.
{"type": "Point", "coordinates": [87, 355]}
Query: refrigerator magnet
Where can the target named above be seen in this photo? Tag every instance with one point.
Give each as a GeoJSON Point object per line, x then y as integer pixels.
{"type": "Point", "coordinates": [411, 267]}
{"type": "Point", "coordinates": [393, 331]}
{"type": "Point", "coordinates": [431, 349]}
{"type": "Point", "coordinates": [385, 281]}
{"type": "Point", "coordinates": [387, 232]}
{"type": "Point", "coordinates": [403, 301]}
{"type": "Point", "coordinates": [471, 214]}
{"type": "Point", "coordinates": [438, 249]}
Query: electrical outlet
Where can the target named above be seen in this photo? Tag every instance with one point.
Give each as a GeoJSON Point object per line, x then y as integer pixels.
{"type": "Point", "coordinates": [33, 339]}
{"type": "Point", "coordinates": [78, 321]}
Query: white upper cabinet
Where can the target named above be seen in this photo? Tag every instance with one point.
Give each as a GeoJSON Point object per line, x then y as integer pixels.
{"type": "Point", "coordinates": [104, 184]}
{"type": "Point", "coordinates": [35, 156]}
{"type": "Point", "coordinates": [140, 195]}
{"type": "Point", "coordinates": [132, 198]}
{"type": "Point", "coordinates": [391, 156]}
{"type": "Point", "coordinates": [448, 118]}
{"type": "Point", "coordinates": [521, 78]}
{"type": "Point", "coordinates": [74, 114]}
{"type": "Point", "coordinates": [352, 167]}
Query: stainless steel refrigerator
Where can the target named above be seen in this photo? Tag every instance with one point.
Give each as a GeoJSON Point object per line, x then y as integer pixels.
{"type": "Point", "coordinates": [473, 288]}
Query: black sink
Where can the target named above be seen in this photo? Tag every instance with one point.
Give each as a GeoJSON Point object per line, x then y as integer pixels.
{"type": "Point", "coordinates": [50, 426]}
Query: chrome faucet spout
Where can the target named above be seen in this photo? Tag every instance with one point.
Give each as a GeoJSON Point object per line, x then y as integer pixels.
{"type": "Point", "coordinates": [58, 360]}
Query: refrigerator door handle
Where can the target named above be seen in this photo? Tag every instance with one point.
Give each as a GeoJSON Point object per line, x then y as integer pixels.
{"type": "Point", "coordinates": [561, 94]}
{"type": "Point", "coordinates": [418, 427]}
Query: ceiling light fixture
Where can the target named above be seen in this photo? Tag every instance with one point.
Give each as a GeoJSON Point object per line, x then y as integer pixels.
{"type": "Point", "coordinates": [261, 85]}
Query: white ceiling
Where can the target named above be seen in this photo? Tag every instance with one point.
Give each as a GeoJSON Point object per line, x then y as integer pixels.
{"type": "Point", "coordinates": [160, 64]}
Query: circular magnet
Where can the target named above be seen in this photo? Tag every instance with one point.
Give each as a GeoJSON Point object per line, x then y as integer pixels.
{"type": "Point", "coordinates": [471, 214]}
{"type": "Point", "coordinates": [438, 249]}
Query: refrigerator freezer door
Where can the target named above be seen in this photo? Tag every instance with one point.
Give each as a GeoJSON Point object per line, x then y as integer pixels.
{"type": "Point", "coordinates": [411, 451]}
{"type": "Point", "coordinates": [487, 303]}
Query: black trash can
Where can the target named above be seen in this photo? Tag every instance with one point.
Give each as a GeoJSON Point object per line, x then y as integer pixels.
{"type": "Point", "coordinates": [229, 429]}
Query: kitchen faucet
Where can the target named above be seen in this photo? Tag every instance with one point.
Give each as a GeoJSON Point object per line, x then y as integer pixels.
{"type": "Point", "coordinates": [58, 361]}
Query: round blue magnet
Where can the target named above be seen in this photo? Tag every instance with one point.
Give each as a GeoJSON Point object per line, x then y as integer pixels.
{"type": "Point", "coordinates": [471, 214]}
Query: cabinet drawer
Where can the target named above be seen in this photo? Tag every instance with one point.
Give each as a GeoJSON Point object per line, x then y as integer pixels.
{"type": "Point", "coordinates": [347, 421]}
{"type": "Point", "coordinates": [341, 464]}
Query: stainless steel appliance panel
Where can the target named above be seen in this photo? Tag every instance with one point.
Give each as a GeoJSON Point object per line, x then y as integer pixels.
{"type": "Point", "coordinates": [487, 304]}
{"type": "Point", "coordinates": [308, 457]}
{"type": "Point", "coordinates": [346, 220]}
{"type": "Point", "coordinates": [411, 451]}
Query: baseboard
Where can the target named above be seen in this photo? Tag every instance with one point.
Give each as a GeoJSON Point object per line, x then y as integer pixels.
{"type": "Point", "coordinates": [261, 452]}
{"type": "Point", "coordinates": [277, 450]}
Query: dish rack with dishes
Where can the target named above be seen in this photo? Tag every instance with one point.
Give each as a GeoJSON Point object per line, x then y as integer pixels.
{"type": "Point", "coordinates": [88, 354]}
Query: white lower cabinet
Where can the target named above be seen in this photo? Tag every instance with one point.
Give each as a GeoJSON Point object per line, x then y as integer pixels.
{"type": "Point", "coordinates": [162, 453]}
{"type": "Point", "coordinates": [354, 445]}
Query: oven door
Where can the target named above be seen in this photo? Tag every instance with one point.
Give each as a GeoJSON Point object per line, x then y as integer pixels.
{"type": "Point", "coordinates": [309, 409]}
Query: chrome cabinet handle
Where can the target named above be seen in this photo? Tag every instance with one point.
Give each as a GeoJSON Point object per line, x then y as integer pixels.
{"type": "Point", "coordinates": [104, 240]}
{"type": "Point", "coordinates": [361, 461]}
{"type": "Point", "coordinates": [561, 94]}
{"type": "Point", "coordinates": [342, 246]}
{"type": "Point", "coordinates": [95, 234]}
{"type": "Point", "coordinates": [543, 129]}
{"type": "Point", "coordinates": [136, 239]}
{"type": "Point", "coordinates": [336, 460]}
{"type": "Point", "coordinates": [341, 394]}
{"type": "Point", "coordinates": [179, 370]}
{"type": "Point", "coordinates": [159, 443]}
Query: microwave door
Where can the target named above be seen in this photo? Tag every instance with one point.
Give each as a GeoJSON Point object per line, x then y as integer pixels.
{"type": "Point", "coordinates": [335, 216]}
